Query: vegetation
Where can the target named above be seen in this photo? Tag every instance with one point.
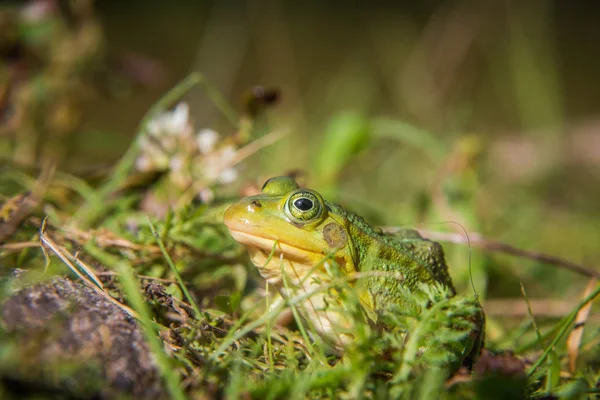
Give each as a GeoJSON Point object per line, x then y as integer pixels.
{"type": "Point", "coordinates": [143, 238]}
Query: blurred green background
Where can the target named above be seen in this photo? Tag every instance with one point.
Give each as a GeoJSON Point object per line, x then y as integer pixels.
{"type": "Point", "coordinates": [416, 114]}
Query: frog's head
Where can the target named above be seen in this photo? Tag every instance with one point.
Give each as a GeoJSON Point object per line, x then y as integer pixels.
{"type": "Point", "coordinates": [293, 225]}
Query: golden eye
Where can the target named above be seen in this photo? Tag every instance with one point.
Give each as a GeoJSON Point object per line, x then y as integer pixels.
{"type": "Point", "coordinates": [304, 206]}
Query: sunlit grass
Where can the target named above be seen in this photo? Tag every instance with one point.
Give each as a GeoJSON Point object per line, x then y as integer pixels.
{"type": "Point", "coordinates": [426, 163]}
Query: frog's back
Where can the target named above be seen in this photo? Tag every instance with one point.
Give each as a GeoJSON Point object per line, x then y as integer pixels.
{"type": "Point", "coordinates": [405, 257]}
{"type": "Point", "coordinates": [426, 252]}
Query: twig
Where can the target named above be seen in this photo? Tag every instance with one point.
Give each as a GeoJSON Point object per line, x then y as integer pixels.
{"type": "Point", "coordinates": [150, 278]}
{"type": "Point", "coordinates": [18, 246]}
{"type": "Point", "coordinates": [64, 255]}
{"type": "Point", "coordinates": [494, 246]}
{"type": "Point", "coordinates": [516, 308]}
{"type": "Point", "coordinates": [258, 144]}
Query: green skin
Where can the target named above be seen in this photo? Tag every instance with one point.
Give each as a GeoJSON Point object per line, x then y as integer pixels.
{"type": "Point", "coordinates": [295, 239]}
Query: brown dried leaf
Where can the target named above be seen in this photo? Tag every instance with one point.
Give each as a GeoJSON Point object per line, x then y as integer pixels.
{"type": "Point", "coordinates": [574, 339]}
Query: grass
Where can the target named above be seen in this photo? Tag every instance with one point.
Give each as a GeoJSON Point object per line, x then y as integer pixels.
{"type": "Point", "coordinates": [148, 237]}
{"type": "Point", "coordinates": [235, 342]}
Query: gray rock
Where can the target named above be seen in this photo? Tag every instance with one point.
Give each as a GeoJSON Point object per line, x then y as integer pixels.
{"type": "Point", "coordinates": [73, 341]}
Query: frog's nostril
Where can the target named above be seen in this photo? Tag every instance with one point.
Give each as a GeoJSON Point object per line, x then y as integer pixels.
{"type": "Point", "coordinates": [256, 203]}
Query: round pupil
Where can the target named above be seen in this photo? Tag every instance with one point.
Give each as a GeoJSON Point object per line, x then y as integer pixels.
{"type": "Point", "coordinates": [303, 204]}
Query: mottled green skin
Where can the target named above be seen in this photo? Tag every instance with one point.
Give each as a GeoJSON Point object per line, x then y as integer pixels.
{"type": "Point", "coordinates": [417, 260]}
{"type": "Point", "coordinates": [406, 253]}
{"type": "Point", "coordinates": [387, 264]}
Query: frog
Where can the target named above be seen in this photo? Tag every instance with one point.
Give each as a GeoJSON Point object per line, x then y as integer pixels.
{"type": "Point", "coordinates": [302, 245]}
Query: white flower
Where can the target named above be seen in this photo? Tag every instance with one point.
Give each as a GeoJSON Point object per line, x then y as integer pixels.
{"type": "Point", "coordinates": [179, 121]}
{"type": "Point", "coordinates": [157, 156]}
{"type": "Point", "coordinates": [151, 156]}
{"type": "Point", "coordinates": [176, 163]}
{"type": "Point", "coordinates": [215, 163]}
{"type": "Point", "coordinates": [206, 195]}
{"type": "Point", "coordinates": [206, 140]}
{"type": "Point", "coordinates": [171, 123]}
{"type": "Point", "coordinates": [228, 175]}
{"type": "Point", "coordinates": [227, 154]}
{"type": "Point", "coordinates": [170, 143]}
{"type": "Point", "coordinates": [143, 163]}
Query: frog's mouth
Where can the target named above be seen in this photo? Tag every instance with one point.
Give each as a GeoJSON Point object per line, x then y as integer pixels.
{"type": "Point", "coordinates": [275, 248]}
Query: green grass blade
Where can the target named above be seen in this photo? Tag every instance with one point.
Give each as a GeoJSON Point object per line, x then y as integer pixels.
{"type": "Point", "coordinates": [564, 324]}
{"type": "Point", "coordinates": [199, 314]}
{"type": "Point", "coordinates": [131, 288]}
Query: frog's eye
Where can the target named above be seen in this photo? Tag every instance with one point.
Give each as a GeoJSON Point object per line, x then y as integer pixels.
{"type": "Point", "coordinates": [304, 206]}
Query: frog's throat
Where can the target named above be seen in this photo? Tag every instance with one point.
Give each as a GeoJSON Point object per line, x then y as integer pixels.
{"type": "Point", "coordinates": [267, 245]}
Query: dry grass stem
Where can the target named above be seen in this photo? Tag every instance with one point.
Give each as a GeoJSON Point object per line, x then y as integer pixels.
{"type": "Point", "coordinates": [574, 339]}
{"type": "Point", "coordinates": [477, 240]}
{"type": "Point", "coordinates": [65, 257]}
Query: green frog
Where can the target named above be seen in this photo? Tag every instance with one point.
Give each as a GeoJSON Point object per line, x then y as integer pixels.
{"type": "Point", "coordinates": [303, 245]}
